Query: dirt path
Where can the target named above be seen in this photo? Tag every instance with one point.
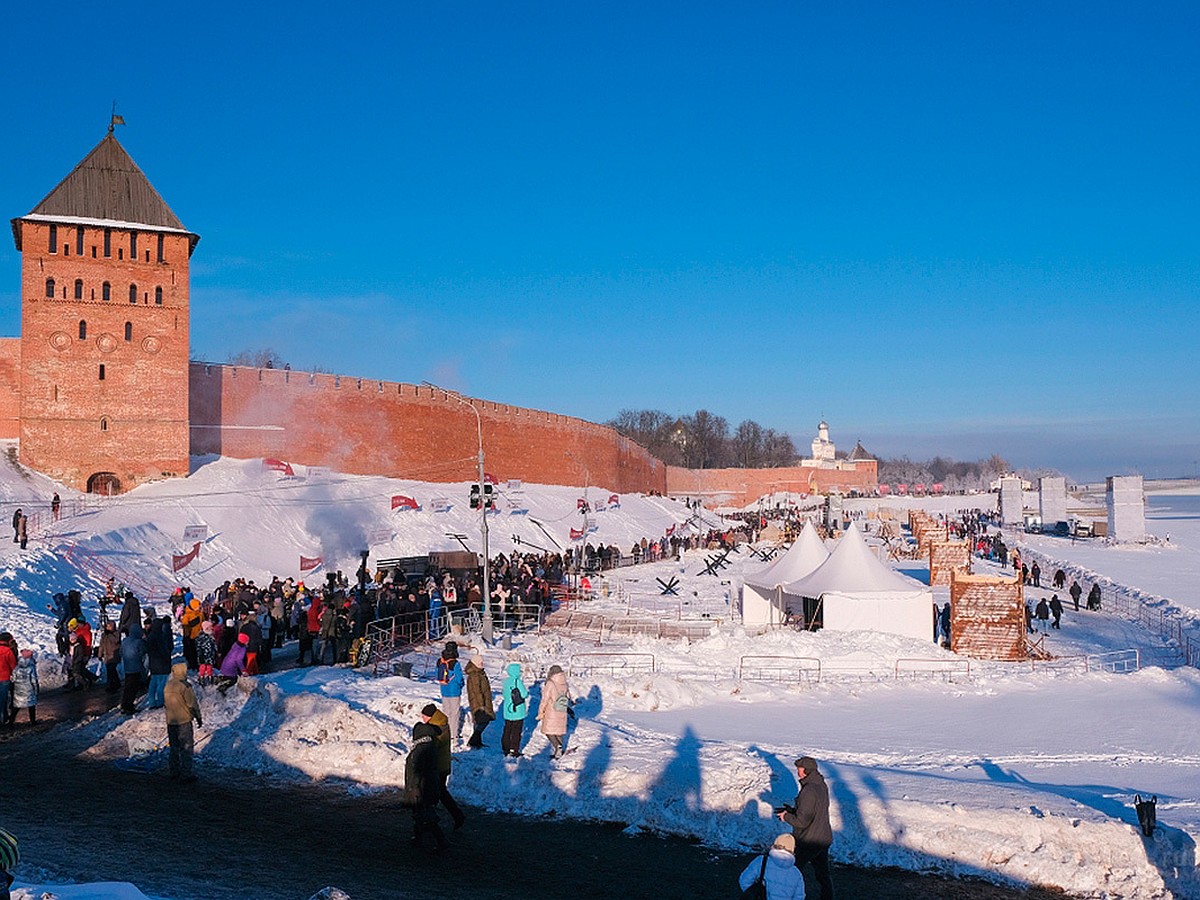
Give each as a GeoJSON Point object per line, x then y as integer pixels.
{"type": "Point", "coordinates": [235, 835]}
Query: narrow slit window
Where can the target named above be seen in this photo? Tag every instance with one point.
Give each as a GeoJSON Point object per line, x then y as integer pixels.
{"type": "Point", "coordinates": [79, 241]}
{"type": "Point", "coordinates": [133, 246]}
{"type": "Point", "coordinates": [158, 296]}
{"type": "Point", "coordinates": [78, 288]}
{"type": "Point", "coordinates": [160, 248]}
{"type": "Point", "coordinates": [101, 371]}
{"type": "Point", "coordinates": [106, 291]}
{"type": "Point", "coordinates": [53, 238]}
{"type": "Point", "coordinates": [50, 288]}
{"type": "Point", "coordinates": [103, 422]}
{"type": "Point", "coordinates": [83, 329]}
{"type": "Point", "coordinates": [107, 243]}
{"type": "Point", "coordinates": [133, 293]}
{"type": "Point", "coordinates": [128, 331]}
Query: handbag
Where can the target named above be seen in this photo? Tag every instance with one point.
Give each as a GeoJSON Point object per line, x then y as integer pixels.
{"type": "Point", "coordinates": [758, 888]}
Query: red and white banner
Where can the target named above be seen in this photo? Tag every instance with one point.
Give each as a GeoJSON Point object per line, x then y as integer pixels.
{"type": "Point", "coordinates": [489, 478]}
{"type": "Point", "coordinates": [585, 583]}
{"type": "Point", "coordinates": [308, 563]}
{"type": "Point", "coordinates": [581, 504]}
{"type": "Point", "coordinates": [884, 490]}
{"type": "Point", "coordinates": [402, 502]}
{"type": "Point", "coordinates": [577, 534]}
{"type": "Point", "coordinates": [180, 562]}
{"type": "Point", "coordinates": [278, 465]}
{"type": "Point", "coordinates": [614, 501]}
{"type": "Point", "coordinates": [670, 531]}
{"type": "Point", "coordinates": [938, 487]}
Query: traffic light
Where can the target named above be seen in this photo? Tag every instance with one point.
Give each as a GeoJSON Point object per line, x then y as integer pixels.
{"type": "Point", "coordinates": [488, 499]}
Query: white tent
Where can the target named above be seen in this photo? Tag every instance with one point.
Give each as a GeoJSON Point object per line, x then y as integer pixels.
{"type": "Point", "coordinates": [761, 601]}
{"type": "Point", "coordinates": [857, 592]}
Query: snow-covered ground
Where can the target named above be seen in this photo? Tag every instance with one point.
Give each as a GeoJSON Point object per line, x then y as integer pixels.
{"type": "Point", "coordinates": [1016, 773]}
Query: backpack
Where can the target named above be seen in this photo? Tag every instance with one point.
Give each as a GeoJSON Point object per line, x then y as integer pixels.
{"type": "Point", "coordinates": [516, 698]}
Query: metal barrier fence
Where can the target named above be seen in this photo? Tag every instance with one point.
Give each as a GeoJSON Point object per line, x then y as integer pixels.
{"type": "Point", "coordinates": [612, 663]}
{"type": "Point", "coordinates": [1116, 662]}
{"type": "Point", "coordinates": [780, 669]}
{"type": "Point", "coordinates": [948, 670]}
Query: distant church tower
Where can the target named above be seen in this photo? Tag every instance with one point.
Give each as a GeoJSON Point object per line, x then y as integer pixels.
{"type": "Point", "coordinates": [104, 328]}
{"type": "Point", "coordinates": [822, 447]}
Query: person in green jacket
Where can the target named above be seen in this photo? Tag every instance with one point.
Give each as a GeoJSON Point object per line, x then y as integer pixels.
{"type": "Point", "coordinates": [515, 706]}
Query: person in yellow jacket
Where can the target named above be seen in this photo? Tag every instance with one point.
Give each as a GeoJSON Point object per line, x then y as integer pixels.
{"type": "Point", "coordinates": [181, 707]}
{"type": "Point", "coordinates": [189, 624]}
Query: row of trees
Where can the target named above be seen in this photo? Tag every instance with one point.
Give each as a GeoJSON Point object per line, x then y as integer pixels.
{"type": "Point", "coordinates": [956, 476]}
{"type": "Point", "coordinates": [704, 441]}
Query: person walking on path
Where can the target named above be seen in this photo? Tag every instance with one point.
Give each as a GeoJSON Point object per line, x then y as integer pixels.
{"type": "Point", "coordinates": [777, 869]}
{"type": "Point", "coordinates": [25, 686]}
{"type": "Point", "coordinates": [1093, 598]}
{"type": "Point", "coordinates": [421, 784]}
{"type": "Point", "coordinates": [55, 506]}
{"type": "Point", "coordinates": [180, 706]}
{"type": "Point", "coordinates": [16, 523]}
{"type": "Point", "coordinates": [109, 651]}
{"type": "Point", "coordinates": [451, 681]}
{"type": "Point", "coordinates": [554, 709]}
{"type": "Point", "coordinates": [479, 699]}
{"type": "Point", "coordinates": [23, 530]}
{"type": "Point", "coordinates": [514, 698]}
{"type": "Point", "coordinates": [437, 719]}
{"type": "Point", "coordinates": [1043, 615]}
{"type": "Point", "coordinates": [1056, 610]}
{"type": "Point", "coordinates": [1076, 592]}
{"type": "Point", "coordinates": [133, 649]}
{"type": "Point", "coordinates": [809, 820]}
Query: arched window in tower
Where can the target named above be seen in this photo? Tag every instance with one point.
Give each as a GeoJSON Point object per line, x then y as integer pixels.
{"type": "Point", "coordinates": [107, 243]}
{"type": "Point", "coordinates": [104, 424]}
{"type": "Point", "coordinates": [53, 238]}
{"type": "Point", "coordinates": [129, 331]}
{"type": "Point", "coordinates": [78, 288]}
{"type": "Point", "coordinates": [83, 329]}
{"type": "Point", "coordinates": [50, 288]}
{"type": "Point", "coordinates": [133, 293]}
{"type": "Point", "coordinates": [106, 291]}
{"type": "Point", "coordinates": [133, 245]}
{"type": "Point", "coordinates": [158, 296]}
{"type": "Point", "coordinates": [79, 241]}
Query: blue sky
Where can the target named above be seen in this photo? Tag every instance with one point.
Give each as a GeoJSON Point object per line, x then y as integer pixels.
{"type": "Point", "coordinates": [960, 229]}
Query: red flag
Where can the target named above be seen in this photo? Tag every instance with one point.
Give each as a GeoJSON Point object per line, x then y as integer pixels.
{"type": "Point", "coordinates": [489, 478]}
{"type": "Point", "coordinates": [585, 583]}
{"type": "Point", "coordinates": [278, 465]}
{"type": "Point", "coordinates": [308, 563]}
{"type": "Point", "coordinates": [614, 500]}
{"type": "Point", "coordinates": [670, 531]}
{"type": "Point", "coordinates": [581, 503]}
{"type": "Point", "coordinates": [576, 534]}
{"type": "Point", "coordinates": [402, 502]}
{"type": "Point", "coordinates": [179, 562]}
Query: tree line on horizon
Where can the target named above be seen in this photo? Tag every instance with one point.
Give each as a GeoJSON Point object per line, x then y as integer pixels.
{"type": "Point", "coordinates": [703, 440]}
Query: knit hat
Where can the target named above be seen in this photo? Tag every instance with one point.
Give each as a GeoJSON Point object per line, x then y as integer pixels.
{"type": "Point", "coordinates": [206, 626]}
{"type": "Point", "coordinates": [243, 638]}
{"type": "Point", "coordinates": [429, 709]}
{"type": "Point", "coordinates": [785, 842]}
{"type": "Point", "coordinates": [807, 763]}
{"type": "Point", "coordinates": [451, 651]}
{"type": "Point", "coordinates": [27, 653]}
{"type": "Point", "coordinates": [73, 624]}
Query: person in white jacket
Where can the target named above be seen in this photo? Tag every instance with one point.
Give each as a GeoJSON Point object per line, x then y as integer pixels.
{"type": "Point", "coordinates": [783, 879]}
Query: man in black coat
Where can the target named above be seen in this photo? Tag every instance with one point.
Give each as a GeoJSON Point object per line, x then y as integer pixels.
{"type": "Point", "coordinates": [809, 820]}
{"type": "Point", "coordinates": [423, 784]}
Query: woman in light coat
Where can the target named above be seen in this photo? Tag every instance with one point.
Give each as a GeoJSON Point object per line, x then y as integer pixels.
{"type": "Point", "coordinates": [554, 708]}
{"type": "Point", "coordinates": [25, 686]}
{"type": "Point", "coordinates": [782, 878]}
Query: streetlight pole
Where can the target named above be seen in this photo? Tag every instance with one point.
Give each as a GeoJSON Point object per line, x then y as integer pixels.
{"type": "Point", "coordinates": [483, 525]}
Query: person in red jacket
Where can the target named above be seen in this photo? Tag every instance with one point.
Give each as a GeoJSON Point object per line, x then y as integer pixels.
{"type": "Point", "coordinates": [8, 662]}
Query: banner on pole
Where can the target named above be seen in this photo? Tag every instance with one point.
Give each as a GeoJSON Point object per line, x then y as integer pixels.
{"type": "Point", "coordinates": [181, 562]}
{"type": "Point", "coordinates": [308, 563]}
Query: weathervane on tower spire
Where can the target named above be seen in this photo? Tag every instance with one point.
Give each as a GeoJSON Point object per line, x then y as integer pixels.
{"type": "Point", "coordinates": [115, 120]}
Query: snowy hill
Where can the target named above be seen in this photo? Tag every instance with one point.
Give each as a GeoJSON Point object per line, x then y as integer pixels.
{"type": "Point", "coordinates": [1011, 772]}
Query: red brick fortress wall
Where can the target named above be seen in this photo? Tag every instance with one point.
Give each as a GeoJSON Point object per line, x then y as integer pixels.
{"type": "Point", "coordinates": [740, 487]}
{"type": "Point", "coordinates": [371, 427]}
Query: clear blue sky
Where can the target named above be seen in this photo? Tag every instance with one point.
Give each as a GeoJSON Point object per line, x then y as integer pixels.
{"type": "Point", "coordinates": [962, 229]}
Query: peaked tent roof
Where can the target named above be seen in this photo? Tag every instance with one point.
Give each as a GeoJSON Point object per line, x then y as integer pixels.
{"type": "Point", "coordinates": [804, 556]}
{"type": "Point", "coordinates": [107, 186]}
{"type": "Point", "coordinates": [852, 568]}
{"type": "Point", "coordinates": [859, 452]}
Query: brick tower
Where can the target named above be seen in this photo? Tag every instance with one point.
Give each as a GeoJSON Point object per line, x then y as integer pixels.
{"type": "Point", "coordinates": [104, 328]}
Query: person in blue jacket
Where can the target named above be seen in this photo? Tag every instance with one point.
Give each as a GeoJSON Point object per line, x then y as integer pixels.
{"type": "Point", "coordinates": [133, 648]}
{"type": "Point", "coordinates": [515, 706]}
{"type": "Point", "coordinates": [451, 679]}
